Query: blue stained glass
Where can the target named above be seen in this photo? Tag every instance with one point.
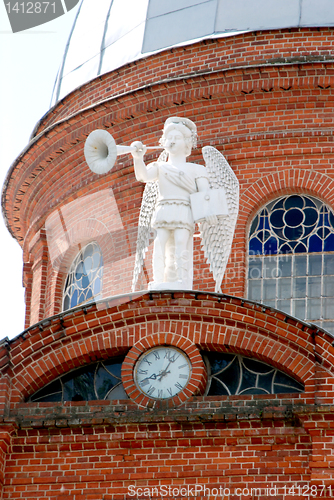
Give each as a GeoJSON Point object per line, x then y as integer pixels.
{"type": "Point", "coordinates": [315, 244]}
{"type": "Point", "coordinates": [285, 249]}
{"type": "Point", "coordinates": [294, 202]}
{"type": "Point", "coordinates": [254, 225]}
{"type": "Point", "coordinates": [303, 228]}
{"type": "Point", "coordinates": [309, 202]}
{"type": "Point", "coordinates": [300, 248]}
{"type": "Point", "coordinates": [279, 232]}
{"type": "Point", "coordinates": [293, 233]}
{"type": "Point", "coordinates": [308, 230]}
{"type": "Point", "coordinates": [85, 281]}
{"type": "Point", "coordinates": [113, 368]}
{"type": "Point", "coordinates": [323, 232]}
{"type": "Point", "coordinates": [96, 260]}
{"type": "Point", "coordinates": [104, 381]}
{"type": "Point", "coordinates": [230, 376]}
{"type": "Point", "coordinates": [79, 271]}
{"type": "Point", "coordinates": [331, 219]}
{"type": "Point", "coordinates": [266, 381]}
{"type": "Point", "coordinates": [248, 380]}
{"type": "Point", "coordinates": [270, 246]}
{"type": "Point", "coordinates": [279, 204]}
{"type": "Point", "coordinates": [261, 225]}
{"type": "Point", "coordinates": [329, 243]}
{"type": "Point", "coordinates": [257, 366]}
{"type": "Point", "coordinates": [74, 298]}
{"type": "Point", "coordinates": [254, 377]}
{"type": "Point", "coordinates": [88, 264]}
{"type": "Point", "coordinates": [217, 388]}
{"type": "Point", "coordinates": [255, 246]}
{"type": "Point", "coordinates": [311, 216]}
{"type": "Point", "coordinates": [276, 218]}
{"type": "Point", "coordinates": [90, 382]}
{"type": "Point", "coordinates": [294, 217]}
{"type": "Point", "coordinates": [97, 286]}
{"type": "Point", "coordinates": [80, 284]}
{"type": "Point", "coordinates": [88, 252]}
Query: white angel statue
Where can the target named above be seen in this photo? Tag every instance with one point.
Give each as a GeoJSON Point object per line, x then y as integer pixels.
{"type": "Point", "coordinates": [177, 195]}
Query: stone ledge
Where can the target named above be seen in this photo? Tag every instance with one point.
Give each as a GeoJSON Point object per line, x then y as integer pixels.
{"type": "Point", "coordinates": [199, 409]}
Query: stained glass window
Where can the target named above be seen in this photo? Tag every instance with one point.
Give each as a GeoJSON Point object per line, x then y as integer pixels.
{"type": "Point", "coordinates": [232, 374]}
{"type": "Point", "coordinates": [100, 380]}
{"type": "Point", "coordinates": [84, 280]}
{"type": "Point", "coordinates": [291, 259]}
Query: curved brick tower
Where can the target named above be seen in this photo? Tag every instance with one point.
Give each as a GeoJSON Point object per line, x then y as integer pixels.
{"type": "Point", "coordinates": [265, 100]}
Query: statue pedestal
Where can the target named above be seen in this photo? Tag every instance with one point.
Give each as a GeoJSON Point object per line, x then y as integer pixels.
{"type": "Point", "coordinates": [169, 285]}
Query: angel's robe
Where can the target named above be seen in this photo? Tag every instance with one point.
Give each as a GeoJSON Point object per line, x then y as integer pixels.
{"type": "Point", "coordinates": [176, 184]}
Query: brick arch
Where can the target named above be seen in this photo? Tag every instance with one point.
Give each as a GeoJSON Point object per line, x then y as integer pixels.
{"type": "Point", "coordinates": [106, 329]}
{"type": "Point", "coordinates": [283, 183]}
{"type": "Point", "coordinates": [273, 352]}
{"type": "Point", "coordinates": [276, 354]}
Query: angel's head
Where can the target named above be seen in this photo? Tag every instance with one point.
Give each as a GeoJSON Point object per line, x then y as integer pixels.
{"type": "Point", "coordinates": [177, 129]}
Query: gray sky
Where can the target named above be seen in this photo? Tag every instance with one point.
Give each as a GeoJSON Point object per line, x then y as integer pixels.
{"type": "Point", "coordinates": [29, 64]}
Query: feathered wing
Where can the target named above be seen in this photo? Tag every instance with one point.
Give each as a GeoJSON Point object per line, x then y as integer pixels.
{"type": "Point", "coordinates": [148, 203]}
{"type": "Point", "coordinates": [217, 239]}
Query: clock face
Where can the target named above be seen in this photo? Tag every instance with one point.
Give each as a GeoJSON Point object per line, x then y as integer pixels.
{"type": "Point", "coordinates": [162, 372]}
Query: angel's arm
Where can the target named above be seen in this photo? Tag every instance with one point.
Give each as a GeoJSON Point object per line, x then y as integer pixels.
{"type": "Point", "coordinates": [143, 173]}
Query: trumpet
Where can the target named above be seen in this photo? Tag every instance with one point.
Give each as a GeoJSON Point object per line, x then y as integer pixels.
{"type": "Point", "coordinates": [101, 151]}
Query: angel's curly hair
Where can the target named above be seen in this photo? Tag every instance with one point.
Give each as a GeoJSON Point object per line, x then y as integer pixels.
{"type": "Point", "coordinates": [187, 129]}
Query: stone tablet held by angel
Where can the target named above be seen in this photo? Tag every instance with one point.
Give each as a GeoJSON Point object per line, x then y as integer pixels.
{"type": "Point", "coordinates": [178, 194]}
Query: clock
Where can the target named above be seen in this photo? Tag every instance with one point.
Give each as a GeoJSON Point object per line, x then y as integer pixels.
{"type": "Point", "coordinates": [162, 372]}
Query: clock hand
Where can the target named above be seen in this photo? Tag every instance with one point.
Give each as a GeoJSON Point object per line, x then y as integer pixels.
{"type": "Point", "coordinates": [164, 372]}
{"type": "Point", "coordinates": [153, 376]}
{"type": "Point", "coordinates": [161, 375]}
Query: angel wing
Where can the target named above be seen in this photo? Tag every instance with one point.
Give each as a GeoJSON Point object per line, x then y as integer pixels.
{"type": "Point", "coordinates": [148, 203]}
{"type": "Point", "coordinates": [217, 239]}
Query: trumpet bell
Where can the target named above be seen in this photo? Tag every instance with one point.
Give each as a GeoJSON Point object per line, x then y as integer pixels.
{"type": "Point", "coordinates": [100, 151]}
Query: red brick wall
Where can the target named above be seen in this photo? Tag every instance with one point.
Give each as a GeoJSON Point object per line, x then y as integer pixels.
{"type": "Point", "coordinates": [98, 449]}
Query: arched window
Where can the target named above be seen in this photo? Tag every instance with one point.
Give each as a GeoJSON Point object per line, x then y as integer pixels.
{"type": "Point", "coordinates": [100, 380]}
{"type": "Point", "coordinates": [291, 259]}
{"type": "Point", "coordinates": [232, 374]}
{"type": "Point", "coordinates": [84, 280]}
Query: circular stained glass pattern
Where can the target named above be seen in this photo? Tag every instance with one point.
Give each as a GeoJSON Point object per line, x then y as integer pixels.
{"type": "Point", "coordinates": [290, 222]}
{"type": "Point", "coordinates": [291, 258]}
{"type": "Point", "coordinates": [84, 280]}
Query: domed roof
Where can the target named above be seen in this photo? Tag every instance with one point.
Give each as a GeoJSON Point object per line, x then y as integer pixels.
{"type": "Point", "coordinates": [110, 33]}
